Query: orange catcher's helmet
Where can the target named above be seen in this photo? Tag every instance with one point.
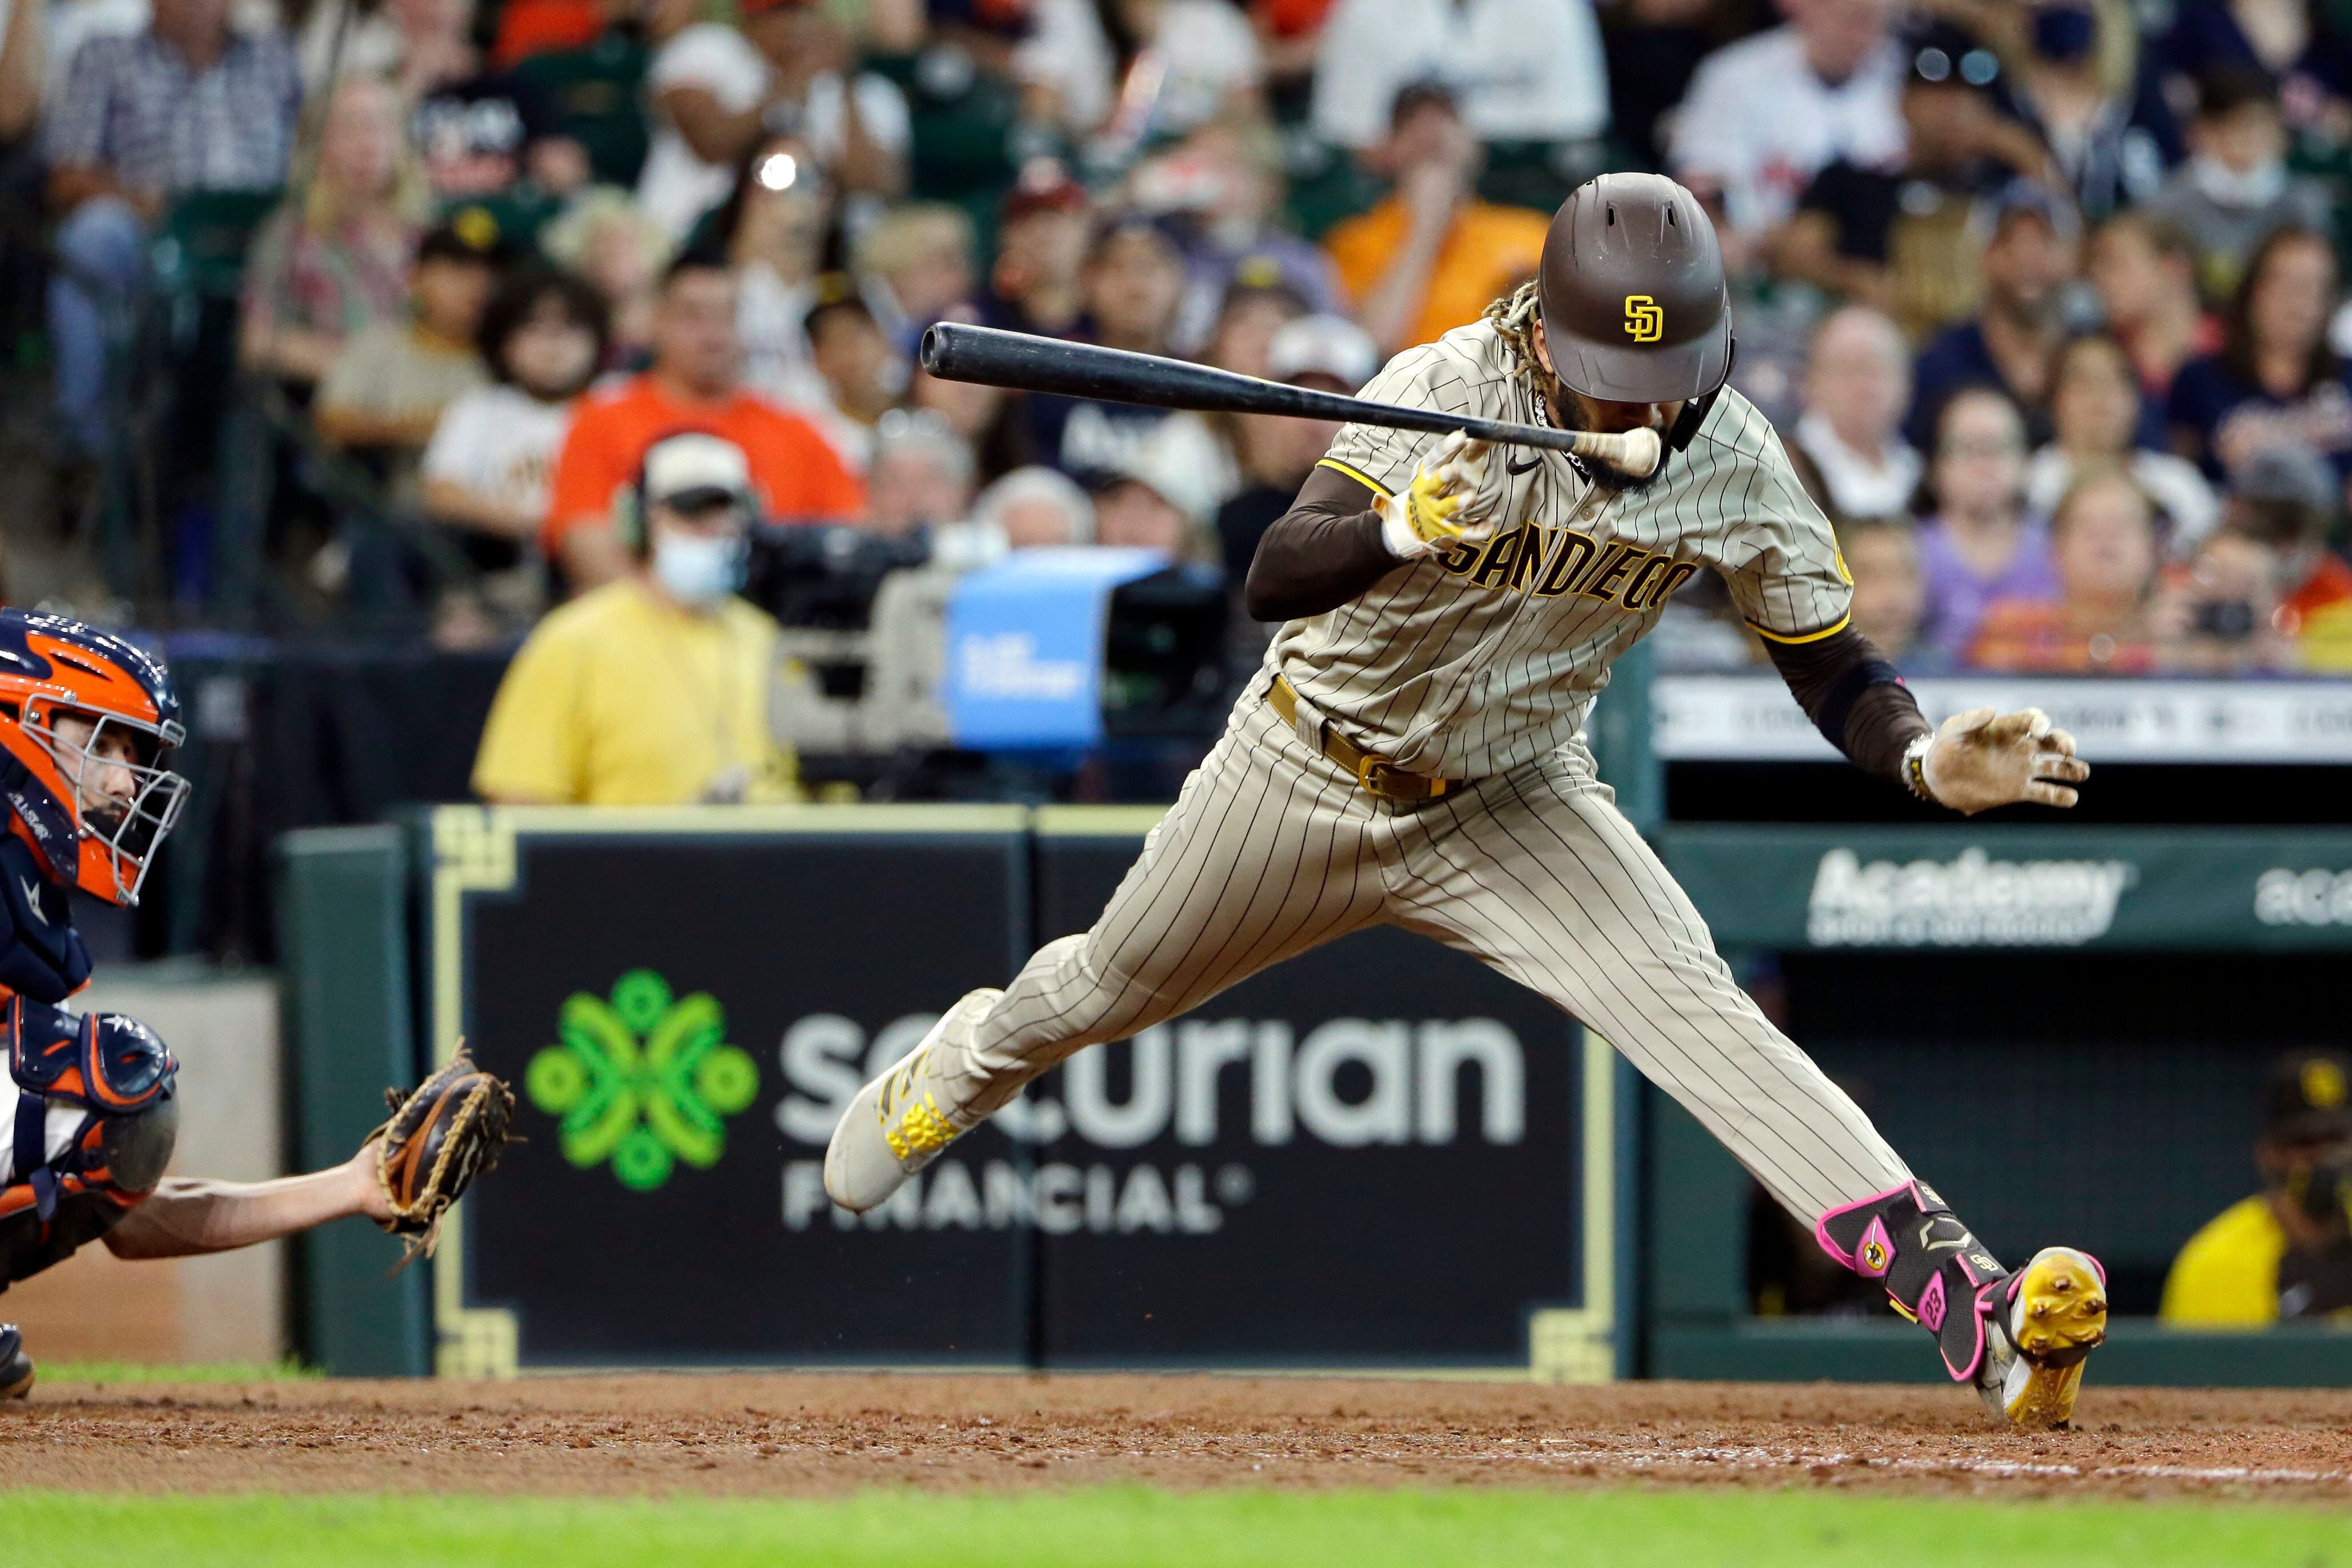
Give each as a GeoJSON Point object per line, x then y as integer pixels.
{"type": "Point", "coordinates": [88, 721]}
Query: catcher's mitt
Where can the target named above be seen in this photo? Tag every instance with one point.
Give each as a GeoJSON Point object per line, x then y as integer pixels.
{"type": "Point", "coordinates": [448, 1131]}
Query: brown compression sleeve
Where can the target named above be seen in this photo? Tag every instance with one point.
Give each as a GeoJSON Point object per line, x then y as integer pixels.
{"type": "Point", "coordinates": [1854, 698]}
{"type": "Point", "coordinates": [1322, 553]}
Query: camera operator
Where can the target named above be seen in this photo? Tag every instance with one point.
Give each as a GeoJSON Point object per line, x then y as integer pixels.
{"type": "Point", "coordinates": [2286, 1252]}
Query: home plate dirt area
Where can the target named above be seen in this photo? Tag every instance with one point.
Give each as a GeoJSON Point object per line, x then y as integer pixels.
{"type": "Point", "coordinates": [819, 1434]}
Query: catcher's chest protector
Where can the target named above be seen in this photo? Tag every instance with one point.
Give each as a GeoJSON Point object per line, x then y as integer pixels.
{"type": "Point", "coordinates": [117, 1078]}
{"type": "Point", "coordinates": [41, 955]}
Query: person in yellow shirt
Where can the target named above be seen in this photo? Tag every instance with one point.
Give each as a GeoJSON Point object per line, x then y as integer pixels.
{"type": "Point", "coordinates": [1432, 256]}
{"type": "Point", "coordinates": [653, 689]}
{"type": "Point", "coordinates": [2286, 1252]}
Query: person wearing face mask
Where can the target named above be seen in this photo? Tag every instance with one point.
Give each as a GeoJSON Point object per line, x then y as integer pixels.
{"type": "Point", "coordinates": [2286, 1252]}
{"type": "Point", "coordinates": [653, 689]}
{"type": "Point", "coordinates": [2235, 189]}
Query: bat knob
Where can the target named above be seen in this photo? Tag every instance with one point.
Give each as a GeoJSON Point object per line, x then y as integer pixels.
{"type": "Point", "coordinates": [1643, 452]}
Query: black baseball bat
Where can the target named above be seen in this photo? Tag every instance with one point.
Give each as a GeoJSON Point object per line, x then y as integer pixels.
{"type": "Point", "coordinates": [955, 352]}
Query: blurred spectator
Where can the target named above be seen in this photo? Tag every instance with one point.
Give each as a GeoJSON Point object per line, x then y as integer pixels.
{"type": "Point", "coordinates": [862, 373]}
{"type": "Point", "coordinates": [693, 385]}
{"type": "Point", "coordinates": [2286, 498]}
{"type": "Point", "coordinates": [1178, 64]}
{"type": "Point", "coordinates": [1152, 501]}
{"type": "Point", "coordinates": [2080, 85]}
{"type": "Point", "coordinates": [917, 264]}
{"type": "Point", "coordinates": [1432, 255]}
{"type": "Point", "coordinates": [2222, 613]}
{"type": "Point", "coordinates": [1042, 233]}
{"type": "Point", "coordinates": [719, 92]}
{"type": "Point", "coordinates": [2286, 1252]}
{"type": "Point", "coordinates": [186, 105]}
{"type": "Point", "coordinates": [1038, 508]}
{"type": "Point", "coordinates": [1133, 277]}
{"type": "Point", "coordinates": [605, 238]}
{"type": "Point", "coordinates": [2095, 412]}
{"type": "Point", "coordinates": [1250, 317]}
{"type": "Point", "coordinates": [481, 130]}
{"type": "Point", "coordinates": [1327, 354]}
{"type": "Point", "coordinates": [1978, 545]}
{"type": "Point", "coordinates": [1857, 384]}
{"type": "Point", "coordinates": [1768, 113]}
{"type": "Point", "coordinates": [537, 28]}
{"type": "Point", "coordinates": [2103, 548]}
{"type": "Point", "coordinates": [1206, 445]}
{"type": "Point", "coordinates": [389, 382]}
{"type": "Point", "coordinates": [1222, 189]}
{"type": "Point", "coordinates": [591, 76]}
{"type": "Point", "coordinates": [2235, 188]}
{"type": "Point", "coordinates": [653, 689]}
{"type": "Point", "coordinates": [1904, 234]}
{"type": "Point", "coordinates": [773, 230]}
{"type": "Point", "coordinates": [1522, 70]}
{"type": "Point", "coordinates": [921, 476]}
{"type": "Point", "coordinates": [344, 38]}
{"type": "Point", "coordinates": [2299, 45]}
{"type": "Point", "coordinates": [485, 470]}
{"type": "Point", "coordinates": [22, 59]}
{"type": "Point", "coordinates": [2025, 265]}
{"type": "Point", "coordinates": [334, 260]}
{"type": "Point", "coordinates": [2144, 270]}
{"type": "Point", "coordinates": [1890, 590]}
{"type": "Point", "coordinates": [2276, 379]}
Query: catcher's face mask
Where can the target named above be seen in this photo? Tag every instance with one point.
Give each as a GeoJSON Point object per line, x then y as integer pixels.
{"type": "Point", "coordinates": [125, 799]}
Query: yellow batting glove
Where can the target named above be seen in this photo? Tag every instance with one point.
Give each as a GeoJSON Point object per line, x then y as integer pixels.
{"type": "Point", "coordinates": [1456, 497]}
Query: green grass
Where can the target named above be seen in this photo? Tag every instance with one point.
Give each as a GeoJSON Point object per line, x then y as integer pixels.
{"type": "Point", "coordinates": [1132, 1528]}
{"type": "Point", "coordinates": [286, 1371]}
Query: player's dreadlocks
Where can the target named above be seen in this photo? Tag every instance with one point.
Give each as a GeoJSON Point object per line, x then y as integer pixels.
{"type": "Point", "coordinates": [1515, 316]}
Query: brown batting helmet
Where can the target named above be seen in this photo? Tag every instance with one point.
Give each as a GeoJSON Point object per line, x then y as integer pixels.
{"type": "Point", "coordinates": [1635, 306]}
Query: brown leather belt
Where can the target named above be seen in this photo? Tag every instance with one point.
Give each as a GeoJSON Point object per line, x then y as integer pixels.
{"type": "Point", "coordinates": [1375, 775]}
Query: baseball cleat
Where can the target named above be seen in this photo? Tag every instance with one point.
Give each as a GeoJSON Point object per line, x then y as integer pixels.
{"type": "Point", "coordinates": [2054, 1313]}
{"type": "Point", "coordinates": [899, 1123]}
{"type": "Point", "coordinates": [15, 1366]}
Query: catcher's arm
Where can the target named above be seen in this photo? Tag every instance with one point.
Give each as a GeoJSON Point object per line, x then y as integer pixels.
{"type": "Point", "coordinates": [406, 1175]}
{"type": "Point", "coordinates": [184, 1216]}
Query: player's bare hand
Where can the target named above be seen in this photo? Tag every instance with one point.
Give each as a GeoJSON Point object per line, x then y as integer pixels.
{"type": "Point", "coordinates": [1984, 758]}
{"type": "Point", "coordinates": [1456, 497]}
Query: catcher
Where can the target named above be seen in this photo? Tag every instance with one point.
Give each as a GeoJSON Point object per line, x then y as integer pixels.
{"type": "Point", "coordinates": [88, 1112]}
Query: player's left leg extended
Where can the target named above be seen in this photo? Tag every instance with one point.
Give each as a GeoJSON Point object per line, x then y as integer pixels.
{"type": "Point", "coordinates": [1539, 874]}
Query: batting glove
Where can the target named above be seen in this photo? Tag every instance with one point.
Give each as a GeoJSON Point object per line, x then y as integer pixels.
{"type": "Point", "coordinates": [1980, 760]}
{"type": "Point", "coordinates": [1455, 497]}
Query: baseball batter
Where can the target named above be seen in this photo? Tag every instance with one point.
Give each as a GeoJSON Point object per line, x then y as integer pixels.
{"type": "Point", "coordinates": [1412, 755]}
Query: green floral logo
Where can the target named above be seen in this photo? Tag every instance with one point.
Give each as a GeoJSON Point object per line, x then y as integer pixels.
{"type": "Point", "coordinates": [642, 1080]}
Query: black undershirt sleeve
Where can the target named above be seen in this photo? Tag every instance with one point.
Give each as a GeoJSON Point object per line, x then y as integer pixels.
{"type": "Point", "coordinates": [1854, 698]}
{"type": "Point", "coordinates": [1325, 550]}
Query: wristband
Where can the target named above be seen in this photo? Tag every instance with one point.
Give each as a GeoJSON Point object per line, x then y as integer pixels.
{"type": "Point", "coordinates": [1914, 767]}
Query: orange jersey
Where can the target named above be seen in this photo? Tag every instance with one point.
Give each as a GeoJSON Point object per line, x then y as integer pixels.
{"type": "Point", "coordinates": [794, 469]}
{"type": "Point", "coordinates": [1489, 251]}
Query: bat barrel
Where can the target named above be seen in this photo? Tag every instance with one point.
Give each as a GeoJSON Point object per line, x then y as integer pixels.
{"type": "Point", "coordinates": [954, 350]}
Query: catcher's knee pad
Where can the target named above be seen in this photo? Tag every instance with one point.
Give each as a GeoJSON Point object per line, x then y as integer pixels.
{"type": "Point", "coordinates": [1935, 1272]}
{"type": "Point", "coordinates": [113, 1069]}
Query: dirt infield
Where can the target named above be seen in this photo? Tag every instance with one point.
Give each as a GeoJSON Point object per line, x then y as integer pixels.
{"type": "Point", "coordinates": [825, 1433]}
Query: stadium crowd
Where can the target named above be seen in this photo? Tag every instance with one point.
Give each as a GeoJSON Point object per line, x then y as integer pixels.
{"type": "Point", "coordinates": [2045, 295]}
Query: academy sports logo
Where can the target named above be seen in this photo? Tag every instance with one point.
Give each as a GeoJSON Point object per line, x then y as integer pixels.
{"type": "Point", "coordinates": [1970, 902]}
{"type": "Point", "coordinates": [1644, 322]}
{"type": "Point", "coordinates": [642, 1080]}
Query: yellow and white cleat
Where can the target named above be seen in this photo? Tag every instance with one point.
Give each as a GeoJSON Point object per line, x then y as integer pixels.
{"type": "Point", "coordinates": [899, 1123]}
{"type": "Point", "coordinates": [2053, 1315]}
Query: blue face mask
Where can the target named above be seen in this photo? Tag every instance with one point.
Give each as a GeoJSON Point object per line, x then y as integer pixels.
{"type": "Point", "coordinates": [2064, 34]}
{"type": "Point", "coordinates": [697, 570]}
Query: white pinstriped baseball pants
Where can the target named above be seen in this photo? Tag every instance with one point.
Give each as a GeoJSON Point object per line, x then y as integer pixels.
{"type": "Point", "coordinates": [1271, 849]}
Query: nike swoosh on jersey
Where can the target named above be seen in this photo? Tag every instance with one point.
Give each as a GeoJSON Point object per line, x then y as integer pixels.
{"type": "Point", "coordinates": [1511, 468]}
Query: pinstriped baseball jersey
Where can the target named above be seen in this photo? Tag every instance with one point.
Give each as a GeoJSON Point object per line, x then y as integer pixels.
{"type": "Point", "coordinates": [1470, 662]}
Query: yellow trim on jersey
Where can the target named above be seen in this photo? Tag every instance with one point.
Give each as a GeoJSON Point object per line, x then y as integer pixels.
{"type": "Point", "coordinates": [1827, 631]}
{"type": "Point", "coordinates": [1358, 475]}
